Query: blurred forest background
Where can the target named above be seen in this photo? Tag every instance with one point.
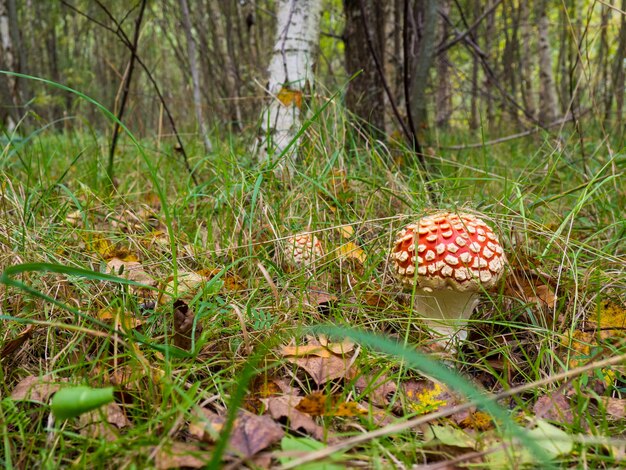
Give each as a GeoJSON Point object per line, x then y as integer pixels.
{"type": "Point", "coordinates": [495, 68]}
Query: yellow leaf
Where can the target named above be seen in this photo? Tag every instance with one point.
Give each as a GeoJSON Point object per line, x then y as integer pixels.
{"type": "Point", "coordinates": [346, 231]}
{"type": "Point", "coordinates": [352, 251]}
{"type": "Point", "coordinates": [287, 96]}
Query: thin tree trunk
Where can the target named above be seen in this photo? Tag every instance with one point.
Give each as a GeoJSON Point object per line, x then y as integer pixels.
{"type": "Point", "coordinates": [7, 58]}
{"type": "Point", "coordinates": [618, 71]}
{"type": "Point", "coordinates": [422, 64]}
{"type": "Point", "coordinates": [474, 120]}
{"type": "Point", "coordinates": [290, 77]}
{"type": "Point", "coordinates": [547, 95]}
{"type": "Point", "coordinates": [526, 65]}
{"type": "Point", "coordinates": [195, 78]}
{"type": "Point", "coordinates": [489, 39]}
{"type": "Point", "coordinates": [365, 96]}
{"type": "Point", "coordinates": [442, 96]}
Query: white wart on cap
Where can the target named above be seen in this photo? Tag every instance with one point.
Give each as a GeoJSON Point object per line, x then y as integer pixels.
{"type": "Point", "coordinates": [450, 257]}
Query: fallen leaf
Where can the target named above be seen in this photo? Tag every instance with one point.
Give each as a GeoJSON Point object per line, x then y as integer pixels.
{"type": "Point", "coordinates": [37, 388]}
{"type": "Point", "coordinates": [351, 251]}
{"type": "Point", "coordinates": [315, 404]}
{"type": "Point", "coordinates": [346, 231]}
{"type": "Point", "coordinates": [185, 326]}
{"type": "Point", "coordinates": [103, 423]}
{"type": "Point", "coordinates": [321, 299]}
{"type": "Point", "coordinates": [294, 447]}
{"type": "Point", "coordinates": [553, 440]}
{"type": "Point", "coordinates": [323, 369]}
{"type": "Point", "coordinates": [119, 316]}
{"type": "Point", "coordinates": [305, 350]}
{"type": "Point", "coordinates": [129, 269]}
{"type": "Point", "coordinates": [344, 347]}
{"type": "Point", "coordinates": [531, 286]}
{"type": "Point", "coordinates": [554, 407]}
{"type": "Point", "coordinates": [615, 407]}
{"type": "Point", "coordinates": [250, 433]}
{"type": "Point", "coordinates": [181, 455]}
{"type": "Point", "coordinates": [284, 408]}
{"type": "Point", "coordinates": [449, 436]}
{"type": "Point", "coordinates": [12, 345]}
{"type": "Point", "coordinates": [610, 316]}
{"type": "Point", "coordinates": [378, 387]}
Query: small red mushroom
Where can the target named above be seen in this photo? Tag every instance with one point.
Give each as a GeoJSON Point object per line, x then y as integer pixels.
{"type": "Point", "coordinates": [450, 258]}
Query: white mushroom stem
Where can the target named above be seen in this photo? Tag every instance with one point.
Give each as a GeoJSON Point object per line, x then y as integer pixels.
{"type": "Point", "coordinates": [446, 311]}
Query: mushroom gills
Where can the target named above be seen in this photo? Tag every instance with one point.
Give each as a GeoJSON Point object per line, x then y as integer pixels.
{"type": "Point", "coordinates": [446, 311]}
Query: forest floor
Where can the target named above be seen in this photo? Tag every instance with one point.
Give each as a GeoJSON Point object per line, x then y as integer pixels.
{"type": "Point", "coordinates": [218, 356]}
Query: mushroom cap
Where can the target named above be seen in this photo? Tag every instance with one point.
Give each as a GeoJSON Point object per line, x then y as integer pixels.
{"type": "Point", "coordinates": [303, 249]}
{"type": "Point", "coordinates": [448, 250]}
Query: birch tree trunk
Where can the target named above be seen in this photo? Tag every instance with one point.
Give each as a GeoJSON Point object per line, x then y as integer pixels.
{"type": "Point", "coordinates": [290, 75]}
{"type": "Point", "coordinates": [547, 93]}
{"type": "Point", "coordinates": [195, 79]}
{"type": "Point", "coordinates": [7, 59]}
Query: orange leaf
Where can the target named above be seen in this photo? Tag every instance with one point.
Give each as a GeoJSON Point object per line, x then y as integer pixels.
{"type": "Point", "coordinates": [287, 96]}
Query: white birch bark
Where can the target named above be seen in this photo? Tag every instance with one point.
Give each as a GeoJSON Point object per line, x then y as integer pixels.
{"type": "Point", "coordinates": [195, 78]}
{"type": "Point", "coordinates": [8, 61]}
{"type": "Point", "coordinates": [290, 75]}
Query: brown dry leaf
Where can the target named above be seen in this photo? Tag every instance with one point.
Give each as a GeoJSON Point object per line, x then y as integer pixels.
{"type": "Point", "coordinates": [284, 407]}
{"type": "Point", "coordinates": [36, 388]}
{"type": "Point", "coordinates": [126, 319]}
{"type": "Point", "coordinates": [554, 407]}
{"type": "Point", "coordinates": [250, 433]}
{"type": "Point", "coordinates": [14, 344]}
{"type": "Point", "coordinates": [261, 387]}
{"type": "Point", "coordinates": [379, 388]}
{"type": "Point", "coordinates": [182, 455]}
{"type": "Point", "coordinates": [74, 218]}
{"type": "Point", "coordinates": [615, 407]}
{"type": "Point", "coordinates": [305, 350]}
{"type": "Point", "coordinates": [315, 404]}
{"type": "Point", "coordinates": [531, 286]}
{"type": "Point", "coordinates": [184, 326]}
{"type": "Point", "coordinates": [344, 347]}
{"type": "Point", "coordinates": [287, 96]}
{"type": "Point", "coordinates": [96, 425]}
{"type": "Point", "coordinates": [321, 299]}
{"type": "Point", "coordinates": [323, 369]}
{"type": "Point", "coordinates": [129, 268]}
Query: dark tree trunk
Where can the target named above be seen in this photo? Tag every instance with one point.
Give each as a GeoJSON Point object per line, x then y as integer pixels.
{"type": "Point", "coordinates": [363, 37]}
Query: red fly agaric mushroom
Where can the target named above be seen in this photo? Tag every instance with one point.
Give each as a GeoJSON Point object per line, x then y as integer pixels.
{"type": "Point", "coordinates": [449, 258]}
{"type": "Point", "coordinates": [303, 249]}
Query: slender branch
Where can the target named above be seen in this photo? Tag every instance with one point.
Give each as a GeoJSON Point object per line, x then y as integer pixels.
{"type": "Point", "coordinates": [126, 90]}
{"type": "Point", "coordinates": [461, 36]}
